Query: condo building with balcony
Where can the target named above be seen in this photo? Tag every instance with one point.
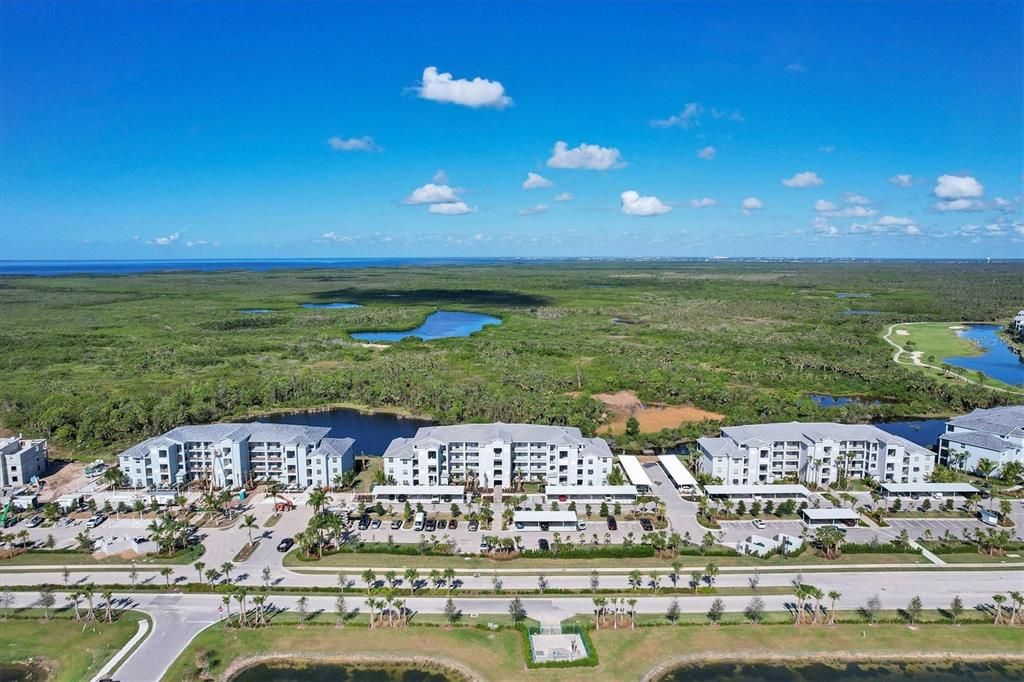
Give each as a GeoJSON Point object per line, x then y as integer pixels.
{"type": "Point", "coordinates": [21, 459]}
{"type": "Point", "coordinates": [817, 453]}
{"type": "Point", "coordinates": [995, 434]}
{"type": "Point", "coordinates": [490, 455]}
{"type": "Point", "coordinates": [230, 455]}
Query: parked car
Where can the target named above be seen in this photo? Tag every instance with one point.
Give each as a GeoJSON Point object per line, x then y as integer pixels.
{"type": "Point", "coordinates": [849, 523]}
{"type": "Point", "coordinates": [285, 544]}
{"type": "Point", "coordinates": [474, 526]}
{"type": "Point", "coordinates": [95, 521]}
{"type": "Point", "coordinates": [34, 521]}
{"type": "Point", "coordinates": [759, 524]}
{"type": "Point", "coordinates": [545, 526]}
{"type": "Point", "coordinates": [430, 526]}
{"type": "Point", "coordinates": [562, 498]}
{"type": "Point", "coordinates": [375, 524]}
{"type": "Point", "coordinates": [581, 525]}
{"type": "Point", "coordinates": [646, 524]}
{"type": "Point", "coordinates": [453, 524]}
{"type": "Point", "coordinates": [520, 525]}
{"type": "Point", "coordinates": [364, 523]}
{"type": "Point", "coordinates": [612, 523]}
{"type": "Point", "coordinates": [396, 524]}
{"type": "Point", "coordinates": [442, 524]}
{"type": "Point", "coordinates": [483, 545]}
{"type": "Point", "coordinates": [607, 498]}
{"type": "Point", "coordinates": [543, 545]}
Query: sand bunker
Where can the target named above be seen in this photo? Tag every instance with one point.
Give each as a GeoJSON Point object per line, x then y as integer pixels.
{"type": "Point", "coordinates": [902, 332]}
{"type": "Point", "coordinates": [653, 417]}
{"type": "Point", "coordinates": [957, 326]}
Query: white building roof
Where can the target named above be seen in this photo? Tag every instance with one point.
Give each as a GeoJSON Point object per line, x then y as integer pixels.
{"type": "Point", "coordinates": [634, 471]}
{"type": "Point", "coordinates": [676, 471]}
{"type": "Point", "coordinates": [449, 490]}
{"type": "Point", "coordinates": [544, 517]}
{"type": "Point", "coordinates": [834, 514]}
{"type": "Point", "coordinates": [559, 436]}
{"type": "Point", "coordinates": [929, 488]}
{"type": "Point", "coordinates": [752, 490]}
{"type": "Point", "coordinates": [590, 490]}
{"type": "Point", "coordinates": [807, 433]}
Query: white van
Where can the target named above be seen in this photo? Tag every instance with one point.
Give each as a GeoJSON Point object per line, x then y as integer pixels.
{"type": "Point", "coordinates": [420, 519]}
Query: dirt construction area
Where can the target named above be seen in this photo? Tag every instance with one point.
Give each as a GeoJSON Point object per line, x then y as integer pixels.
{"type": "Point", "coordinates": [653, 417]}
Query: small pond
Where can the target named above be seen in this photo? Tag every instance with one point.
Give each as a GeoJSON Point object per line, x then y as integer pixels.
{"type": "Point", "coordinates": [332, 306]}
{"type": "Point", "coordinates": [924, 432]}
{"type": "Point", "coordinates": [826, 400]}
{"type": "Point", "coordinates": [255, 311]}
{"type": "Point", "coordinates": [372, 431]}
{"type": "Point", "coordinates": [293, 671]}
{"type": "Point", "coordinates": [444, 324]}
{"type": "Point", "coordinates": [939, 671]}
{"type": "Point", "coordinates": [997, 360]}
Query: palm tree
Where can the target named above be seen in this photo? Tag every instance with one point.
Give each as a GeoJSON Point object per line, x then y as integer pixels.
{"type": "Point", "coordinates": [212, 575]}
{"type": "Point", "coordinates": [834, 596]}
{"type": "Point", "coordinates": [412, 577]}
{"type": "Point", "coordinates": [199, 566]}
{"type": "Point", "coordinates": [108, 598]}
{"type": "Point", "coordinates": [226, 601]}
{"type": "Point", "coordinates": [89, 592]}
{"type": "Point", "coordinates": [167, 572]}
{"type": "Point", "coordinates": [998, 599]}
{"type": "Point", "coordinates": [226, 569]}
{"type": "Point", "coordinates": [74, 598]}
{"type": "Point", "coordinates": [632, 612]}
{"type": "Point", "coordinates": [318, 499]}
{"type": "Point", "coordinates": [369, 577]}
{"type": "Point", "coordinates": [249, 523]}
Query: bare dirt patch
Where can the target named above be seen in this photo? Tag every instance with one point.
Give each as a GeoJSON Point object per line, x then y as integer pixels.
{"type": "Point", "coordinates": [653, 417]}
{"type": "Point", "coordinates": [67, 479]}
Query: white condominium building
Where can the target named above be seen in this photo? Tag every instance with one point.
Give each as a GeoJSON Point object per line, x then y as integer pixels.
{"type": "Point", "coordinates": [20, 460]}
{"type": "Point", "coordinates": [815, 453]}
{"type": "Point", "coordinates": [996, 434]}
{"type": "Point", "coordinates": [498, 454]}
{"type": "Point", "coordinates": [228, 455]}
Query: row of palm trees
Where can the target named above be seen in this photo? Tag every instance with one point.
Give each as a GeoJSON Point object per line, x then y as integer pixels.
{"type": "Point", "coordinates": [614, 607]}
{"type": "Point", "coordinates": [804, 595]}
{"type": "Point", "coordinates": [257, 617]}
{"type": "Point", "coordinates": [1016, 600]}
{"type": "Point", "coordinates": [169, 533]}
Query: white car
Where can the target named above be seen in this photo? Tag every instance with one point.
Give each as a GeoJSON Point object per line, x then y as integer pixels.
{"type": "Point", "coordinates": [759, 524]}
{"type": "Point", "coordinates": [581, 525]}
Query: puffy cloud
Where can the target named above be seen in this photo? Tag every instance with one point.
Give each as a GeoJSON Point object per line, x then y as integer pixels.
{"type": "Point", "coordinates": [827, 148]}
{"type": "Point", "coordinates": [534, 181]}
{"type": "Point", "coordinates": [476, 93]}
{"type": "Point", "coordinates": [450, 208]}
{"type": "Point", "coordinates": [707, 153]}
{"type": "Point", "coordinates": [822, 205]}
{"type": "Point", "coordinates": [751, 204]}
{"type": "Point", "coordinates": [432, 194]}
{"type": "Point", "coordinates": [958, 187]}
{"type": "Point", "coordinates": [533, 210]}
{"type": "Point", "coordinates": [705, 202]}
{"type": "Point", "coordinates": [891, 220]}
{"type": "Point", "coordinates": [691, 114]}
{"type": "Point", "coordinates": [960, 205]}
{"type": "Point", "coordinates": [440, 177]}
{"type": "Point", "coordinates": [165, 241]}
{"type": "Point", "coordinates": [912, 230]}
{"type": "Point", "coordinates": [635, 205]}
{"type": "Point", "coordinates": [564, 196]}
{"type": "Point", "coordinates": [353, 144]}
{"type": "Point", "coordinates": [804, 179]}
{"type": "Point", "coordinates": [585, 157]}
{"type": "Point", "coordinates": [902, 180]}
{"type": "Point", "coordinates": [854, 198]}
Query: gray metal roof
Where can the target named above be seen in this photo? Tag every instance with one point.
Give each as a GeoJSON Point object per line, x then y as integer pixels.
{"type": "Point", "coordinates": [929, 488]}
{"type": "Point", "coordinates": [752, 490]}
{"type": "Point", "coordinates": [806, 433]}
{"type": "Point", "coordinates": [509, 433]}
{"type": "Point", "coordinates": [335, 447]}
{"type": "Point", "coordinates": [1000, 421]}
{"type": "Point", "coordinates": [253, 432]}
{"type": "Point", "coordinates": [979, 439]}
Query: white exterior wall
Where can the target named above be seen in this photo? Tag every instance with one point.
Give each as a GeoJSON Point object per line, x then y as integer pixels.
{"type": "Point", "coordinates": [975, 453]}
{"type": "Point", "coordinates": [20, 460]}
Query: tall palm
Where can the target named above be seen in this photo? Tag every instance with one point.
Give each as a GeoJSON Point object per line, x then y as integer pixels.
{"type": "Point", "coordinates": [834, 596]}
{"type": "Point", "coordinates": [108, 598]}
{"type": "Point", "coordinates": [412, 577]}
{"type": "Point", "coordinates": [249, 524]}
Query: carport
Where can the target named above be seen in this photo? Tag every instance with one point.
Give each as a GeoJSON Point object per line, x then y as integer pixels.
{"type": "Point", "coordinates": [635, 472]}
{"type": "Point", "coordinates": [544, 520]}
{"type": "Point", "coordinates": [419, 493]}
{"type": "Point", "coordinates": [928, 489]}
{"type": "Point", "coordinates": [590, 493]}
{"type": "Point", "coordinates": [680, 476]}
{"type": "Point", "coordinates": [746, 492]}
{"type": "Point", "coordinates": [828, 517]}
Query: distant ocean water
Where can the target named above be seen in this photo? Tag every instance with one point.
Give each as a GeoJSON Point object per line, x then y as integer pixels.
{"type": "Point", "coordinates": [127, 267]}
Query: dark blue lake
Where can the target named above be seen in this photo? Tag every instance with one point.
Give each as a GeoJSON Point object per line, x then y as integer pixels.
{"type": "Point", "coordinates": [801, 671]}
{"type": "Point", "coordinates": [924, 432]}
{"type": "Point", "coordinates": [826, 400]}
{"type": "Point", "coordinates": [372, 431]}
{"type": "Point", "coordinates": [997, 360]}
{"type": "Point", "coordinates": [444, 324]}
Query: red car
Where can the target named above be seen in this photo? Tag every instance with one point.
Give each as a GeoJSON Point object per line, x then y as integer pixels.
{"type": "Point", "coordinates": [562, 498]}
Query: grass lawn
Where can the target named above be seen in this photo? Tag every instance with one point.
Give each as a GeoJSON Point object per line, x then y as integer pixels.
{"type": "Point", "coordinates": [57, 557]}
{"type": "Point", "coordinates": [361, 560]}
{"type": "Point", "coordinates": [73, 653]}
{"type": "Point", "coordinates": [624, 654]}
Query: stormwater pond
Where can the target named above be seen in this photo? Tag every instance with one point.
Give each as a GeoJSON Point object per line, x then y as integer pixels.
{"type": "Point", "coordinates": [444, 324]}
{"type": "Point", "coordinates": [289, 671]}
{"type": "Point", "coordinates": [903, 671]}
{"type": "Point", "coordinates": [372, 431]}
{"type": "Point", "coordinates": [997, 361]}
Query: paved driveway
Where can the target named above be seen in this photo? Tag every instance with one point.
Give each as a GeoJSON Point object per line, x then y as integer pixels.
{"type": "Point", "coordinates": [682, 514]}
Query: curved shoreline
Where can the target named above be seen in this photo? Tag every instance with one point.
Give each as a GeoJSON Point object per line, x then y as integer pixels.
{"type": "Point", "coordinates": [462, 671]}
{"type": "Point", "coordinates": [668, 665]}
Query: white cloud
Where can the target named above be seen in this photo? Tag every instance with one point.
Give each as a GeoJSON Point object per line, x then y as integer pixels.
{"type": "Point", "coordinates": [891, 221]}
{"type": "Point", "coordinates": [795, 67]}
{"type": "Point", "coordinates": [705, 202]}
{"type": "Point", "coordinates": [564, 196]}
{"type": "Point", "coordinates": [960, 205]}
{"type": "Point", "coordinates": [440, 177]}
{"type": "Point", "coordinates": [691, 115]}
{"type": "Point", "coordinates": [635, 205]}
{"type": "Point", "coordinates": [533, 210]}
{"type": "Point", "coordinates": [854, 198]}
{"type": "Point", "coordinates": [751, 204]}
{"type": "Point", "coordinates": [902, 180]}
{"type": "Point", "coordinates": [432, 194]}
{"type": "Point", "coordinates": [534, 181]}
{"type": "Point", "coordinates": [585, 157]}
{"type": "Point", "coordinates": [165, 241]}
{"type": "Point", "coordinates": [450, 208]}
{"type": "Point", "coordinates": [476, 93]}
{"type": "Point", "coordinates": [822, 205]}
{"type": "Point", "coordinates": [707, 153]}
{"type": "Point", "coordinates": [333, 236]}
{"type": "Point", "coordinates": [958, 187]}
{"type": "Point", "coordinates": [197, 242]}
{"type": "Point", "coordinates": [804, 179]}
{"type": "Point", "coordinates": [827, 149]}
{"type": "Point", "coordinates": [913, 230]}
{"type": "Point", "coordinates": [353, 144]}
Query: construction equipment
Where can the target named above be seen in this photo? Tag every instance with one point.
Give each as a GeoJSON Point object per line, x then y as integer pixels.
{"type": "Point", "coordinates": [283, 504]}
{"type": "Point", "coordinates": [5, 513]}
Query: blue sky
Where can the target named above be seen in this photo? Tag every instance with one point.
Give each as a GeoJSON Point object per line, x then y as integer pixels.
{"type": "Point", "coordinates": [224, 130]}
